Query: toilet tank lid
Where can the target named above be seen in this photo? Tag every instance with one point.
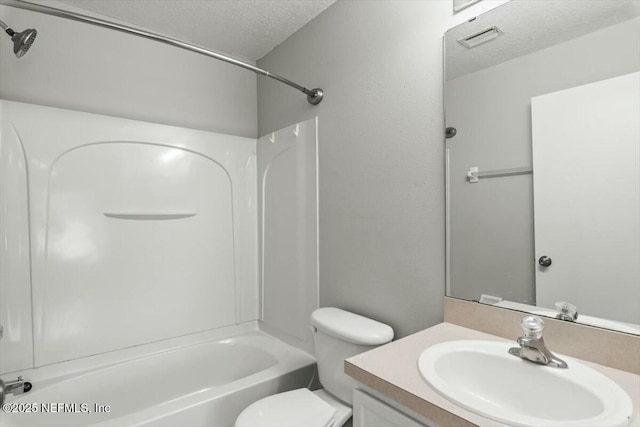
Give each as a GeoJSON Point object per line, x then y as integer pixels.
{"type": "Point", "coordinates": [351, 327]}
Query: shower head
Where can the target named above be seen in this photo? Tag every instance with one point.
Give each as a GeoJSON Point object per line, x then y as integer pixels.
{"type": "Point", "coordinates": [22, 41]}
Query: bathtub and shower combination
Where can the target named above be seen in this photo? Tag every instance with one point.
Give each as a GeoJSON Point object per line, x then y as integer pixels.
{"type": "Point", "coordinates": [132, 290]}
{"type": "Point", "coordinates": [129, 280]}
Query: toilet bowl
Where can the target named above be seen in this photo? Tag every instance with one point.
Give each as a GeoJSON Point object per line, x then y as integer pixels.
{"type": "Point", "coordinates": [338, 335]}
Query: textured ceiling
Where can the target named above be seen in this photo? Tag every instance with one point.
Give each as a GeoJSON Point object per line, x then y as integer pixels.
{"type": "Point", "coordinates": [242, 28]}
{"type": "Point", "coordinates": [531, 25]}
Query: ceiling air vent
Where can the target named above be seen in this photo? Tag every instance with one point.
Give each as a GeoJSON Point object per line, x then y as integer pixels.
{"type": "Point", "coordinates": [480, 37]}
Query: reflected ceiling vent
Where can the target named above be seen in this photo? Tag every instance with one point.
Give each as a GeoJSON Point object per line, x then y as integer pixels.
{"type": "Point", "coordinates": [480, 37]}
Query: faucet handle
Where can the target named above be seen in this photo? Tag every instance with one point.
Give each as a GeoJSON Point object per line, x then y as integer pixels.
{"type": "Point", "coordinates": [566, 311]}
{"type": "Point", "coordinates": [532, 327]}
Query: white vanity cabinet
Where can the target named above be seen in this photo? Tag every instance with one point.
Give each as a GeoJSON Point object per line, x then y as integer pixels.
{"type": "Point", "coordinates": [369, 411]}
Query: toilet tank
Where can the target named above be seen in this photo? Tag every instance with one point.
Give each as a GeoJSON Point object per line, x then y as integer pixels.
{"type": "Point", "coordinates": [339, 335]}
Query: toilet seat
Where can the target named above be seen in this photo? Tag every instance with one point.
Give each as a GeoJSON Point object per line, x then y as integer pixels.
{"type": "Point", "coordinates": [297, 408]}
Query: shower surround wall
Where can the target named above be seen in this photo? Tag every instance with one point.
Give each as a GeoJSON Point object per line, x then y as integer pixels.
{"type": "Point", "coordinates": [288, 196]}
{"type": "Point", "coordinates": [138, 233]}
{"type": "Point", "coordinates": [163, 85]}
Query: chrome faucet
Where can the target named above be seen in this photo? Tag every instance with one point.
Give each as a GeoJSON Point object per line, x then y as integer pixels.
{"type": "Point", "coordinates": [18, 386]}
{"type": "Point", "coordinates": [532, 346]}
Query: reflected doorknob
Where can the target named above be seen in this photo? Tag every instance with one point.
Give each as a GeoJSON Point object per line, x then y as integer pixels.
{"type": "Point", "coordinates": [544, 261]}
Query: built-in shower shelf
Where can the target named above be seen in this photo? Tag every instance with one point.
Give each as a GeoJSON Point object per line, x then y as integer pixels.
{"type": "Point", "coordinates": [149, 216]}
{"type": "Point", "coordinates": [474, 175]}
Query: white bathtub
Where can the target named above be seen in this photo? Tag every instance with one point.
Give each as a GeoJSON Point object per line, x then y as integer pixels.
{"type": "Point", "coordinates": [206, 383]}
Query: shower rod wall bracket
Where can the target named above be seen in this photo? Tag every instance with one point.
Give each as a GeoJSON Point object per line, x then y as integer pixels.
{"type": "Point", "coordinates": [314, 96]}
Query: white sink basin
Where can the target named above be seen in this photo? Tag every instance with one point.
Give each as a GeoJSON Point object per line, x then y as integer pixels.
{"type": "Point", "coordinates": [482, 377]}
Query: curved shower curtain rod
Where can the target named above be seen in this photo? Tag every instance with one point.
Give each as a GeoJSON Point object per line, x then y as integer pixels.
{"type": "Point", "coordinates": [314, 96]}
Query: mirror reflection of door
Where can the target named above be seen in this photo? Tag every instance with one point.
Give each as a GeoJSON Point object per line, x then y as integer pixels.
{"type": "Point", "coordinates": [586, 160]}
{"type": "Point", "coordinates": [493, 250]}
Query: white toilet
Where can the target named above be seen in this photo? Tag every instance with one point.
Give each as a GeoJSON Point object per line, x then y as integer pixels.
{"type": "Point", "coordinates": [338, 336]}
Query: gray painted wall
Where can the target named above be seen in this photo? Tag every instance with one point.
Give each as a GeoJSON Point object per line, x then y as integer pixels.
{"type": "Point", "coordinates": [492, 241]}
{"type": "Point", "coordinates": [81, 67]}
{"type": "Point", "coordinates": [381, 172]}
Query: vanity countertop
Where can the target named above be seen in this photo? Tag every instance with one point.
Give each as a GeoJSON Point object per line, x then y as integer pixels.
{"type": "Point", "coordinates": [392, 370]}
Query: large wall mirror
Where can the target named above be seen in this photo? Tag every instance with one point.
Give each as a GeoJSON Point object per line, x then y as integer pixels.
{"type": "Point", "coordinates": [543, 172]}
